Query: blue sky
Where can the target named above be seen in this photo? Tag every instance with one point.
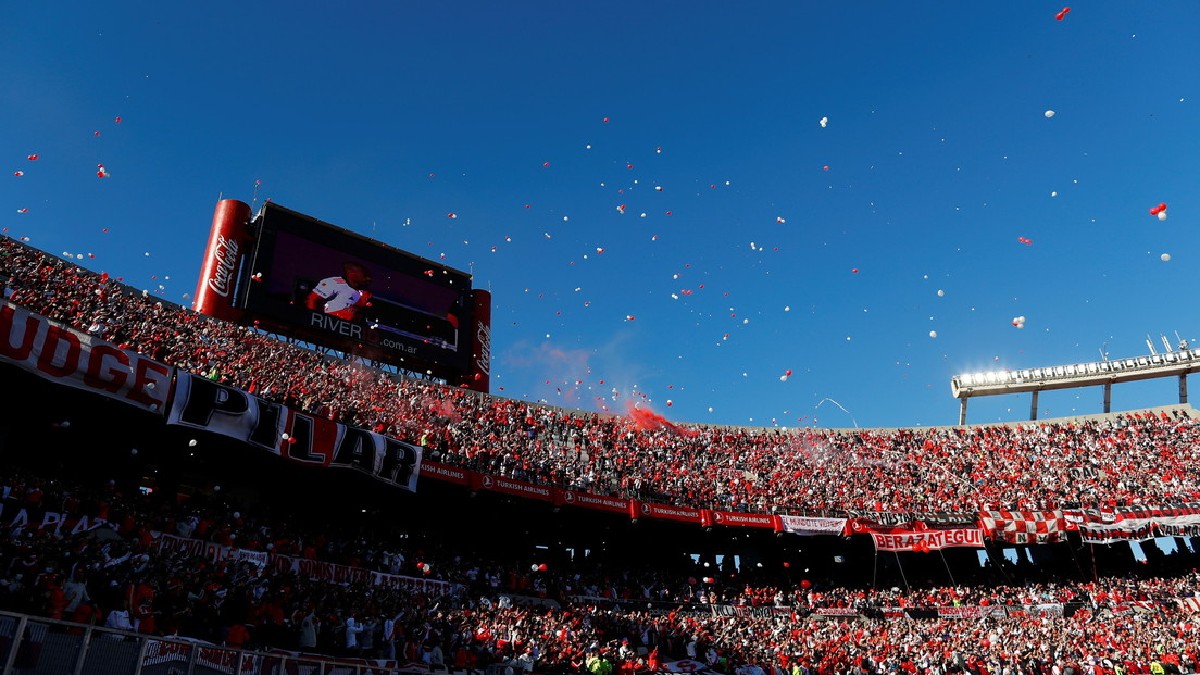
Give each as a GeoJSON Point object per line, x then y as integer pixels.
{"type": "Point", "coordinates": [386, 117]}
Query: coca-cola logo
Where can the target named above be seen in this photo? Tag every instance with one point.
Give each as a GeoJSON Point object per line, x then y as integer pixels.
{"type": "Point", "coordinates": [483, 361]}
{"type": "Point", "coordinates": [225, 255]}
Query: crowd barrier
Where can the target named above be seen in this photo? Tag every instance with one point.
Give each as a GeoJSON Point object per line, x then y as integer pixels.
{"type": "Point", "coordinates": [38, 646]}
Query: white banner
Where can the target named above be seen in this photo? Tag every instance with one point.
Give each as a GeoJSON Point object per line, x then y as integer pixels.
{"type": "Point", "coordinates": [299, 437]}
{"type": "Point", "coordinates": [1130, 529]}
{"type": "Point", "coordinates": [806, 526]}
{"type": "Point", "coordinates": [75, 359]}
{"type": "Point", "coordinates": [211, 550]}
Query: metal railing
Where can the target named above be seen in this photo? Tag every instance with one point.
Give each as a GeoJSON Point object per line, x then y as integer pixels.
{"type": "Point", "coordinates": [31, 645]}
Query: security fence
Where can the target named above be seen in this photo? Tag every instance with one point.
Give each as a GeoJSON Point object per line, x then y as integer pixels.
{"type": "Point", "coordinates": [38, 646]}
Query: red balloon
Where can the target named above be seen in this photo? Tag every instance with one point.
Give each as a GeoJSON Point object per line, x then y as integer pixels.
{"type": "Point", "coordinates": [1158, 209]}
{"type": "Point", "coordinates": [1063, 13]}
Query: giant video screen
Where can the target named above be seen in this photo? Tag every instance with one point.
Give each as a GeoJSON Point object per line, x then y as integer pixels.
{"type": "Point", "coordinates": [330, 286]}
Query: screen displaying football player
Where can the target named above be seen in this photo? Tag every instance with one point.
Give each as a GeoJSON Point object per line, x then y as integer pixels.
{"type": "Point", "coordinates": [345, 297]}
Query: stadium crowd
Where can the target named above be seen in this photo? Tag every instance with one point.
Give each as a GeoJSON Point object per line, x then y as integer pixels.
{"type": "Point", "coordinates": [580, 617]}
{"type": "Point", "coordinates": [566, 620]}
{"type": "Point", "coordinates": [1131, 459]}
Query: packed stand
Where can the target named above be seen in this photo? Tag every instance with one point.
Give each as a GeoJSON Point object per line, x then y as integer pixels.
{"type": "Point", "coordinates": [1123, 460]}
{"type": "Point", "coordinates": [570, 620]}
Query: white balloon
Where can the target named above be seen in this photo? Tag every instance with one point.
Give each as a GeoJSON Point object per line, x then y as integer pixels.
{"type": "Point", "coordinates": [1049, 114]}
{"type": "Point", "coordinates": [192, 443]}
{"type": "Point", "coordinates": [1166, 257]}
{"type": "Point", "coordinates": [941, 293]}
{"type": "Point", "coordinates": [1162, 215]}
{"type": "Point", "coordinates": [933, 333]}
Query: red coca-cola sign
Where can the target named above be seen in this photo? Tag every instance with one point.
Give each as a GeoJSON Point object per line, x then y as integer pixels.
{"type": "Point", "coordinates": [225, 255]}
